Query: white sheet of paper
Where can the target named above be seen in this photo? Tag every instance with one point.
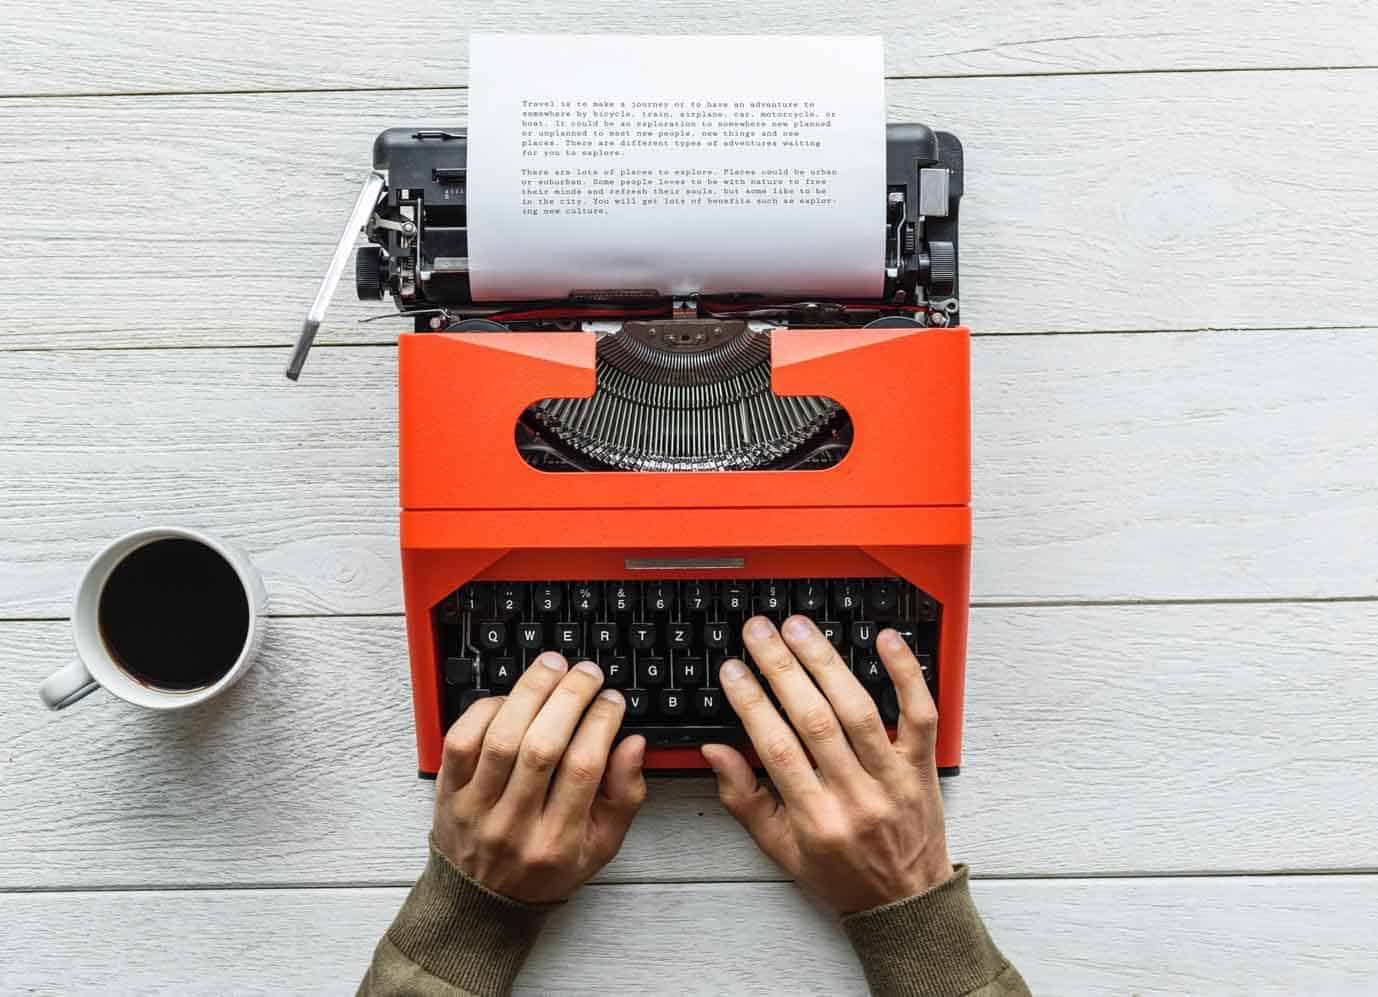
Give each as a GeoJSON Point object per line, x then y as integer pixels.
{"type": "Point", "coordinates": [676, 164]}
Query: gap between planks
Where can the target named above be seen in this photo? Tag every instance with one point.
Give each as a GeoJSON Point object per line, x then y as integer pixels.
{"type": "Point", "coordinates": [433, 88]}
{"type": "Point", "coordinates": [75, 889]}
{"type": "Point", "coordinates": [1302, 600]}
{"type": "Point", "coordinates": [388, 343]}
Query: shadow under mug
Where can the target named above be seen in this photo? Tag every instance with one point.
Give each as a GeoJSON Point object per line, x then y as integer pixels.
{"type": "Point", "coordinates": [96, 665]}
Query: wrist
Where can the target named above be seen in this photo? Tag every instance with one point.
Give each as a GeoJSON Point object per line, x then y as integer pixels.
{"type": "Point", "coordinates": [460, 931]}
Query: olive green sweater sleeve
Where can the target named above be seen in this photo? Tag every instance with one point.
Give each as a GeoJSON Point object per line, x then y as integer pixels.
{"type": "Point", "coordinates": [932, 945]}
{"type": "Point", "coordinates": [453, 937]}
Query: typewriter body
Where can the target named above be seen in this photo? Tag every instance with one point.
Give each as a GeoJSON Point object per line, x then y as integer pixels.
{"type": "Point", "coordinates": [627, 477]}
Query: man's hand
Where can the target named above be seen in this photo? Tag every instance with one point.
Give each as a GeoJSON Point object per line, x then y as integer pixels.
{"type": "Point", "coordinates": [866, 827]}
{"type": "Point", "coordinates": [528, 801]}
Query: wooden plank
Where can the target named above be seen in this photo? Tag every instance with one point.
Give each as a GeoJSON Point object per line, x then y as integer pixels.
{"type": "Point", "coordinates": [1094, 203]}
{"type": "Point", "coordinates": [1106, 467]}
{"type": "Point", "coordinates": [154, 45]}
{"type": "Point", "coordinates": [1106, 739]}
{"type": "Point", "coordinates": [1237, 935]}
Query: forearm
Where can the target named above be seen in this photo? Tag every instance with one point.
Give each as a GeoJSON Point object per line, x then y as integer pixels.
{"type": "Point", "coordinates": [453, 938]}
{"type": "Point", "coordinates": [932, 945]}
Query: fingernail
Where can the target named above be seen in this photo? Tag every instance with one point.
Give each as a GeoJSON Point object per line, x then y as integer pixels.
{"type": "Point", "coordinates": [732, 670]}
{"type": "Point", "coordinates": [589, 668]}
{"type": "Point", "coordinates": [708, 757]}
{"type": "Point", "coordinates": [552, 660]}
{"type": "Point", "coordinates": [612, 696]}
{"type": "Point", "coordinates": [759, 627]}
{"type": "Point", "coordinates": [639, 753]}
{"type": "Point", "coordinates": [891, 640]}
{"type": "Point", "coordinates": [796, 628]}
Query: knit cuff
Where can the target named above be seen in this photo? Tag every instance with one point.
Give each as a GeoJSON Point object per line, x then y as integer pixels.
{"type": "Point", "coordinates": [457, 929]}
{"type": "Point", "coordinates": [931, 945]}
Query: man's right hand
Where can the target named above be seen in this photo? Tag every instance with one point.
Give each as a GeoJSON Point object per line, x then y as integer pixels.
{"type": "Point", "coordinates": [866, 827]}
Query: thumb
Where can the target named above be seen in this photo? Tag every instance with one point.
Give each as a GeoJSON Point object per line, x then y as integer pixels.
{"type": "Point", "coordinates": [624, 790]}
{"type": "Point", "coordinates": [754, 806]}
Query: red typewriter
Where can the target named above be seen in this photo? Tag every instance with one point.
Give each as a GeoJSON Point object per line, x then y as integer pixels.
{"type": "Point", "coordinates": [629, 478]}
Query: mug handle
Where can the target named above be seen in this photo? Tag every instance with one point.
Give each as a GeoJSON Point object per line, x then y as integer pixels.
{"type": "Point", "coordinates": [66, 685]}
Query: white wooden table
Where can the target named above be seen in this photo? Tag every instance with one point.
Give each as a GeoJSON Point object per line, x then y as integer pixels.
{"type": "Point", "coordinates": [1170, 781]}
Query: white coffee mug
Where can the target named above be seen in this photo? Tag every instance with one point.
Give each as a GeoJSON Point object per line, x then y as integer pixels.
{"type": "Point", "coordinates": [95, 666]}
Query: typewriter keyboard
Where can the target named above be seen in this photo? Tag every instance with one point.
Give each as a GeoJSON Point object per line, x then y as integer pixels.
{"type": "Point", "coordinates": [661, 642]}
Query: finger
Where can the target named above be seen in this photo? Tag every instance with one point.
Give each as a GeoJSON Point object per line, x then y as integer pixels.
{"type": "Point", "coordinates": [549, 735]}
{"type": "Point", "coordinates": [918, 729]}
{"type": "Point", "coordinates": [508, 728]}
{"type": "Point", "coordinates": [464, 741]}
{"type": "Point", "coordinates": [581, 770]}
{"type": "Point", "coordinates": [808, 709]}
{"type": "Point", "coordinates": [752, 804]}
{"type": "Point", "coordinates": [623, 792]}
{"type": "Point", "coordinates": [855, 708]}
{"type": "Point", "coordinates": [779, 750]}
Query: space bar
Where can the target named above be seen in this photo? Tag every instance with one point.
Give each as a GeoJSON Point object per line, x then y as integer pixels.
{"type": "Point", "coordinates": [679, 735]}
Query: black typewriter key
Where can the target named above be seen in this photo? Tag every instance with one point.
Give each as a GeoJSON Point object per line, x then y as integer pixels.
{"type": "Point", "coordinates": [492, 634]}
{"type": "Point", "coordinates": [882, 596]}
{"type": "Point", "coordinates": [643, 635]}
{"type": "Point", "coordinates": [909, 633]}
{"type": "Point", "coordinates": [651, 672]}
{"type": "Point", "coordinates": [622, 596]}
{"type": "Point", "coordinates": [471, 696]}
{"type": "Point", "coordinates": [530, 635]}
{"type": "Point", "coordinates": [708, 703]}
{"type": "Point", "coordinates": [469, 598]}
{"type": "Point", "coordinates": [448, 609]}
{"type": "Point", "coordinates": [638, 704]}
{"type": "Point", "coordinates": [679, 636]}
{"type": "Point", "coordinates": [926, 666]}
{"type": "Point", "coordinates": [689, 671]}
{"type": "Point", "coordinates": [864, 634]}
{"type": "Point", "coordinates": [503, 673]}
{"type": "Point", "coordinates": [569, 636]}
{"type": "Point", "coordinates": [735, 598]}
{"type": "Point", "coordinates": [809, 596]}
{"type": "Point", "coordinates": [475, 598]}
{"type": "Point", "coordinates": [716, 634]}
{"type": "Point", "coordinates": [696, 597]}
{"type": "Point", "coordinates": [871, 671]}
{"type": "Point", "coordinates": [617, 671]}
{"type": "Point", "coordinates": [846, 596]}
{"type": "Point", "coordinates": [660, 596]}
{"type": "Point", "coordinates": [926, 608]}
{"type": "Point", "coordinates": [584, 598]}
{"type": "Point", "coordinates": [459, 671]}
{"type": "Point", "coordinates": [673, 703]}
{"type": "Point", "coordinates": [510, 600]}
{"type": "Point", "coordinates": [548, 598]}
{"type": "Point", "coordinates": [832, 630]}
{"type": "Point", "coordinates": [890, 706]}
{"type": "Point", "coordinates": [605, 636]}
{"type": "Point", "coordinates": [771, 598]}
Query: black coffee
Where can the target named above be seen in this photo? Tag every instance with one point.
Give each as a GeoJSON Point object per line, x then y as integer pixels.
{"type": "Point", "coordinates": [174, 615]}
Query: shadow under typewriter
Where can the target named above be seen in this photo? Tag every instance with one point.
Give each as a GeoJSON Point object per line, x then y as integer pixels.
{"type": "Point", "coordinates": [684, 396]}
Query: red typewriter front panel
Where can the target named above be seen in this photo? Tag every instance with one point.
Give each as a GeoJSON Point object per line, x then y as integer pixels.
{"type": "Point", "coordinates": [651, 566]}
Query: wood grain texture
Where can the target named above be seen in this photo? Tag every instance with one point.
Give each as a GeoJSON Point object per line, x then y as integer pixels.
{"type": "Point", "coordinates": [1240, 935]}
{"type": "Point", "coordinates": [1098, 740]}
{"type": "Point", "coordinates": [1093, 203]}
{"type": "Point", "coordinates": [1179, 465]}
{"type": "Point", "coordinates": [80, 46]}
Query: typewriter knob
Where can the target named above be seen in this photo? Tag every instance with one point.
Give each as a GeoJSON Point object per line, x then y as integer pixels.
{"type": "Point", "coordinates": [942, 268]}
{"type": "Point", "coordinates": [370, 273]}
